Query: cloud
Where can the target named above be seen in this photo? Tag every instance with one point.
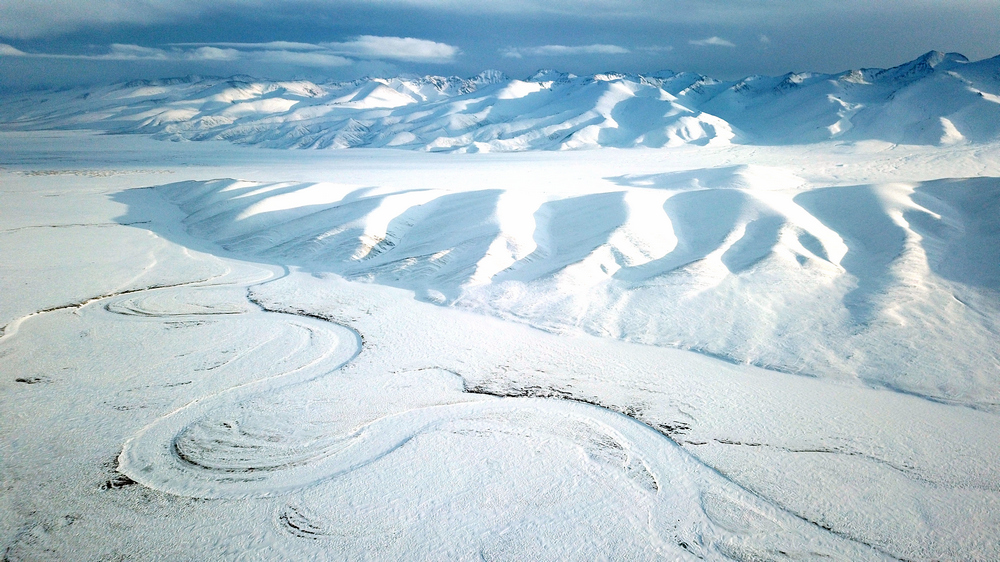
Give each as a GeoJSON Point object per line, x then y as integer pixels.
{"type": "Point", "coordinates": [395, 48]}
{"type": "Point", "coordinates": [133, 52]}
{"type": "Point", "coordinates": [123, 52]}
{"type": "Point", "coordinates": [7, 50]}
{"type": "Point", "coordinates": [25, 19]}
{"type": "Point", "coordinates": [764, 38]}
{"type": "Point", "coordinates": [213, 53]}
{"type": "Point", "coordinates": [563, 50]}
{"type": "Point", "coordinates": [298, 58]}
{"type": "Point", "coordinates": [320, 55]}
{"type": "Point", "coordinates": [116, 51]}
{"type": "Point", "coordinates": [716, 41]}
{"type": "Point", "coordinates": [364, 47]}
{"type": "Point", "coordinates": [270, 45]}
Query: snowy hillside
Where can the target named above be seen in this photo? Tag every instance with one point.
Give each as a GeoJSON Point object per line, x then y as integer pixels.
{"type": "Point", "coordinates": [876, 281]}
{"type": "Point", "coordinates": [936, 99]}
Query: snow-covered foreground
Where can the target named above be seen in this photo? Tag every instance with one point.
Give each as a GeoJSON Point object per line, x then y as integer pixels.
{"type": "Point", "coordinates": [164, 399]}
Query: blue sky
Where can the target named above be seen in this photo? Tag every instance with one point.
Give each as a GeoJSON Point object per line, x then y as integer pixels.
{"type": "Point", "coordinates": [61, 42]}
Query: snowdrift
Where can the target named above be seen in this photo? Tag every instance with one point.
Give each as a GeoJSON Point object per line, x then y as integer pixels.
{"type": "Point", "coordinates": [936, 99]}
{"type": "Point", "coordinates": [748, 263]}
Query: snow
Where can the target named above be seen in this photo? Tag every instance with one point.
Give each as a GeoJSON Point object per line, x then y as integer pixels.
{"type": "Point", "coordinates": [937, 99]}
{"type": "Point", "coordinates": [731, 348]}
{"type": "Point", "coordinates": [659, 259]}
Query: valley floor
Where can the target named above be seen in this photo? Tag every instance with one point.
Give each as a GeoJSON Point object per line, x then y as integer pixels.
{"type": "Point", "coordinates": [188, 371]}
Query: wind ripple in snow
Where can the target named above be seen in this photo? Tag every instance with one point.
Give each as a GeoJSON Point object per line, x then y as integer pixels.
{"type": "Point", "coordinates": [220, 446]}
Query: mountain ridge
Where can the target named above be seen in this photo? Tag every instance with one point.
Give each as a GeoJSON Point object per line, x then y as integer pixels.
{"type": "Point", "coordinates": [938, 98]}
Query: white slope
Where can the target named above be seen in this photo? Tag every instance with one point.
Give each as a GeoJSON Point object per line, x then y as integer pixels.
{"type": "Point", "coordinates": [751, 263]}
{"type": "Point", "coordinates": [937, 99]}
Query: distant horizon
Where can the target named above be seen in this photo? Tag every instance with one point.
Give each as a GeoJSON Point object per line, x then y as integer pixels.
{"type": "Point", "coordinates": [415, 75]}
{"type": "Point", "coordinates": [66, 42]}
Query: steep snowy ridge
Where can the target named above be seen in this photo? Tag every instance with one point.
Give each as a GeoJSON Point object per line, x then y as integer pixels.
{"type": "Point", "coordinates": [936, 99]}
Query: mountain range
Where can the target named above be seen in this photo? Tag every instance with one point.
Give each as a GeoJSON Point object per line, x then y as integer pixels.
{"type": "Point", "coordinates": [937, 99]}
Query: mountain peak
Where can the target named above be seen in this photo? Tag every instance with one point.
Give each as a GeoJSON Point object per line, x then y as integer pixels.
{"type": "Point", "coordinates": [490, 76]}
{"type": "Point", "coordinates": [936, 58]}
{"type": "Point", "coordinates": [550, 75]}
{"type": "Point", "coordinates": [920, 67]}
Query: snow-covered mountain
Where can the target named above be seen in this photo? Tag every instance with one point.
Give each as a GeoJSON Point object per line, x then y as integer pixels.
{"type": "Point", "coordinates": [936, 99]}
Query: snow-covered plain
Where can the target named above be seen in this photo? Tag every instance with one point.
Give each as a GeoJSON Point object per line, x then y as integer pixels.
{"type": "Point", "coordinates": [714, 350]}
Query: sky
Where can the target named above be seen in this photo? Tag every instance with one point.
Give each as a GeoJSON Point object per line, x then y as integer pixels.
{"type": "Point", "coordinates": [75, 42]}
